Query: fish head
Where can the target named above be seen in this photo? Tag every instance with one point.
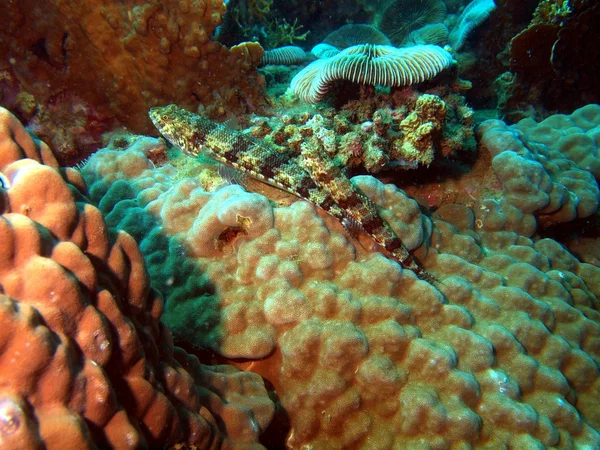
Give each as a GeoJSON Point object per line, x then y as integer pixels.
{"type": "Point", "coordinates": [181, 128]}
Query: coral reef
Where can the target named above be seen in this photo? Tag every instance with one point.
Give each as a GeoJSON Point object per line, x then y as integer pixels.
{"type": "Point", "coordinates": [323, 50]}
{"type": "Point", "coordinates": [323, 16]}
{"type": "Point", "coordinates": [484, 57]}
{"type": "Point", "coordinates": [405, 130]}
{"type": "Point", "coordinates": [434, 33]}
{"type": "Point", "coordinates": [503, 352]}
{"type": "Point", "coordinates": [86, 362]}
{"type": "Point", "coordinates": [127, 57]}
{"type": "Point", "coordinates": [453, 302]}
{"type": "Point", "coordinates": [355, 34]}
{"type": "Point", "coordinates": [576, 56]}
{"type": "Point", "coordinates": [575, 136]}
{"type": "Point", "coordinates": [255, 21]}
{"type": "Point", "coordinates": [554, 62]}
{"type": "Point", "coordinates": [70, 124]}
{"type": "Point", "coordinates": [280, 32]}
{"type": "Point", "coordinates": [538, 179]}
{"type": "Point", "coordinates": [369, 64]}
{"type": "Point", "coordinates": [546, 170]}
{"type": "Point", "coordinates": [530, 50]}
{"type": "Point", "coordinates": [552, 12]}
{"type": "Point", "coordinates": [418, 130]}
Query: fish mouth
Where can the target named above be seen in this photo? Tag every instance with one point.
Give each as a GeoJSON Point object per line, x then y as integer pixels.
{"type": "Point", "coordinates": [154, 114]}
{"type": "Point", "coordinates": [158, 111]}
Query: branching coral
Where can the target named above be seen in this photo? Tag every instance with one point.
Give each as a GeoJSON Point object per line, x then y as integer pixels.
{"type": "Point", "coordinates": [280, 32]}
{"type": "Point", "coordinates": [259, 9]}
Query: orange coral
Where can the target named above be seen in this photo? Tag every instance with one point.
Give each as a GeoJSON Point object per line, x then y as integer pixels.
{"type": "Point", "coordinates": [85, 361]}
{"type": "Point", "coordinates": [129, 56]}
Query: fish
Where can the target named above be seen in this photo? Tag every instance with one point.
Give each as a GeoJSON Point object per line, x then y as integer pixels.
{"type": "Point", "coordinates": [311, 175]}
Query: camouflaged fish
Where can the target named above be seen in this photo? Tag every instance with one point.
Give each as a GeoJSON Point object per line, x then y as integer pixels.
{"type": "Point", "coordinates": [312, 176]}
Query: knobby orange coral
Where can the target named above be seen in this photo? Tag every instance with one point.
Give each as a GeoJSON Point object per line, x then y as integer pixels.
{"type": "Point", "coordinates": [85, 361]}
{"type": "Point", "coordinates": [129, 56]}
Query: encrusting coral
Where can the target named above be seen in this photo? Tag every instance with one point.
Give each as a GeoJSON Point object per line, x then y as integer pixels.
{"type": "Point", "coordinates": [85, 361]}
{"type": "Point", "coordinates": [404, 130]}
{"type": "Point", "coordinates": [575, 136]}
{"type": "Point", "coordinates": [128, 57]}
{"type": "Point", "coordinates": [504, 351]}
{"type": "Point", "coordinates": [547, 169]}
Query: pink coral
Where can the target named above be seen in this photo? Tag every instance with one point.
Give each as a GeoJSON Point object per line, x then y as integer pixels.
{"type": "Point", "coordinates": [504, 351]}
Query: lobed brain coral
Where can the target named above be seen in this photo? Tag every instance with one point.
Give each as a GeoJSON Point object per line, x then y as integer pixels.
{"type": "Point", "coordinates": [544, 169]}
{"type": "Point", "coordinates": [503, 353]}
{"type": "Point", "coordinates": [575, 136]}
{"type": "Point", "coordinates": [86, 362]}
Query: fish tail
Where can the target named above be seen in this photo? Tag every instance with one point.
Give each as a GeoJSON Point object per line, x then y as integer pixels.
{"type": "Point", "coordinates": [408, 261]}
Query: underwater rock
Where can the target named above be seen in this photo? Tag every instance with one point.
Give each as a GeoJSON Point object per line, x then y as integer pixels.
{"type": "Point", "coordinates": [128, 57]}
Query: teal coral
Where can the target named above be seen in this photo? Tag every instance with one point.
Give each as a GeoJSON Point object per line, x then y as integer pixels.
{"type": "Point", "coordinates": [472, 16]}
